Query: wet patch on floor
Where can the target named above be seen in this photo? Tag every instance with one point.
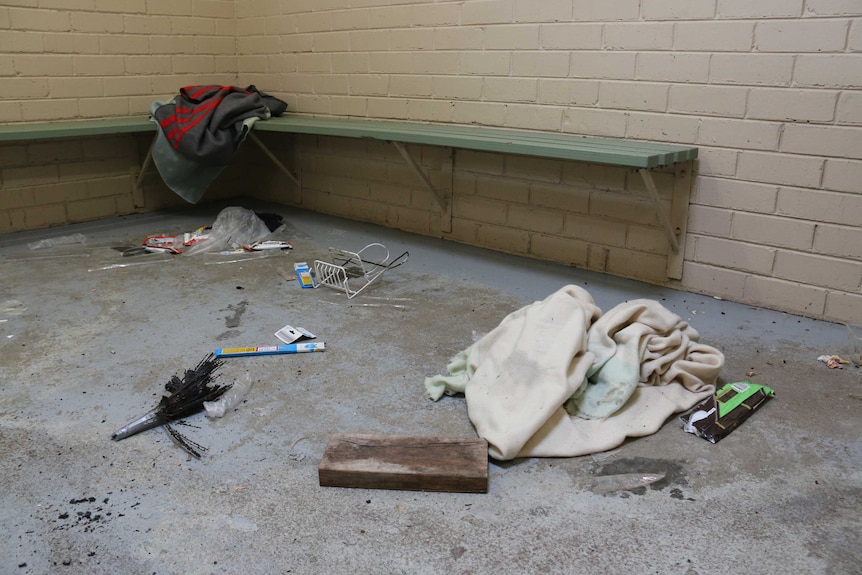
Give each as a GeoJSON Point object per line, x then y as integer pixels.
{"type": "Point", "coordinates": [225, 335]}
{"type": "Point", "coordinates": [232, 321]}
{"type": "Point", "coordinates": [634, 475]}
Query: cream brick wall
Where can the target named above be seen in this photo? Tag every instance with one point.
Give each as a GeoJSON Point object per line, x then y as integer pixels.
{"type": "Point", "coordinates": [75, 60]}
{"type": "Point", "coordinates": [57, 182]}
{"type": "Point", "coordinates": [98, 58]}
{"type": "Point", "coordinates": [770, 92]}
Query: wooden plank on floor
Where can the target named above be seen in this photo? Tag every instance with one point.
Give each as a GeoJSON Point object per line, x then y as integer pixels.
{"type": "Point", "coordinates": [403, 462]}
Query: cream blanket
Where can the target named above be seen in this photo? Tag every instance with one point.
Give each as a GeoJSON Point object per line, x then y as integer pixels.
{"type": "Point", "coordinates": [557, 378]}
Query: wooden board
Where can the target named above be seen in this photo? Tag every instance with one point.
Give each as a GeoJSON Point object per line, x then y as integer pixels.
{"type": "Point", "coordinates": [399, 462]}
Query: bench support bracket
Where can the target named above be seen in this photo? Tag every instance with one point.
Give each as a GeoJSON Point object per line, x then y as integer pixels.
{"type": "Point", "coordinates": [669, 230]}
{"type": "Point", "coordinates": [673, 223]}
{"type": "Point", "coordinates": [449, 179]}
{"type": "Point", "coordinates": [272, 157]}
{"type": "Point", "coordinates": [441, 198]}
{"type": "Point", "coordinates": [679, 216]}
{"type": "Point", "coordinates": [147, 161]}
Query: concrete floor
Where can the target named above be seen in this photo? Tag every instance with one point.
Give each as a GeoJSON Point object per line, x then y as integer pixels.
{"type": "Point", "coordinates": [87, 346]}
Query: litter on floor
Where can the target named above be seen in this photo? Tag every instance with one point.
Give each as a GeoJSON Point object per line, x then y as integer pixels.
{"type": "Point", "coordinates": [570, 384]}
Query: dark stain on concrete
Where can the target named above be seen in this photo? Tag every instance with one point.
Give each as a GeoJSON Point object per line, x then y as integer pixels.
{"type": "Point", "coordinates": [232, 321]}
{"type": "Point", "coordinates": [674, 473]}
{"type": "Point", "coordinates": [829, 512]}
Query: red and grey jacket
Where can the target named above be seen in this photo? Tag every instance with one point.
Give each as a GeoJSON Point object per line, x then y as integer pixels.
{"type": "Point", "coordinates": [208, 123]}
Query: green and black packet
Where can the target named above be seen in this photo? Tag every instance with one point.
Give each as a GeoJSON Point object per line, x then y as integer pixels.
{"type": "Point", "coordinates": [716, 416]}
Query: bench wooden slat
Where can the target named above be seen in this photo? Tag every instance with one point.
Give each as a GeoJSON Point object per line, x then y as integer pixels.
{"type": "Point", "coordinates": [552, 138]}
{"type": "Point", "coordinates": [626, 153]}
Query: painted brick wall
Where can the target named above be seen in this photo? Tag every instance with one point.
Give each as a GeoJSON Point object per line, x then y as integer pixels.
{"type": "Point", "coordinates": [95, 58]}
{"type": "Point", "coordinates": [77, 59]}
{"type": "Point", "coordinates": [770, 91]}
{"type": "Point", "coordinates": [57, 182]}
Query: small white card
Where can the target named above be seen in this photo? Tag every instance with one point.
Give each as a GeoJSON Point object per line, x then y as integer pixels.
{"type": "Point", "coordinates": [290, 334]}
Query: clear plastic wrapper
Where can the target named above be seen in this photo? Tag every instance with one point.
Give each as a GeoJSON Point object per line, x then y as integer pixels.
{"type": "Point", "coordinates": [233, 228]}
{"type": "Point", "coordinates": [605, 484]}
{"type": "Point", "coordinates": [229, 399]}
{"type": "Point", "coordinates": [58, 241]}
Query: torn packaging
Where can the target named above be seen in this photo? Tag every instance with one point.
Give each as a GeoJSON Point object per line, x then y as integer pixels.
{"type": "Point", "coordinates": [716, 416]}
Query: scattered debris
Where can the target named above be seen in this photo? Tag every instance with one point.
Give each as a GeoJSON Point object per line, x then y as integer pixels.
{"type": "Point", "coordinates": [230, 399]}
{"type": "Point", "coordinates": [128, 251]}
{"type": "Point", "coordinates": [11, 308]}
{"type": "Point", "coordinates": [187, 397]}
{"type": "Point", "coordinates": [236, 230]}
{"type": "Point", "coordinates": [602, 455]}
{"type": "Point", "coordinates": [717, 416]}
{"type": "Point", "coordinates": [606, 484]}
{"type": "Point", "coordinates": [163, 244]}
{"type": "Point", "coordinates": [833, 361]}
{"type": "Point", "coordinates": [290, 334]}
{"type": "Point", "coordinates": [268, 245]}
{"type": "Point", "coordinates": [191, 447]}
{"type": "Point", "coordinates": [58, 241]}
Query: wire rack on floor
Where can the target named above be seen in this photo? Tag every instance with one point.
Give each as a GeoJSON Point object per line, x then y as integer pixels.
{"type": "Point", "coordinates": [352, 272]}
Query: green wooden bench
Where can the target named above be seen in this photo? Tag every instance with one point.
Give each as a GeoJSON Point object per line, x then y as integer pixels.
{"type": "Point", "coordinates": [643, 157]}
{"type": "Point", "coordinates": [75, 128]}
{"type": "Point", "coordinates": [637, 155]}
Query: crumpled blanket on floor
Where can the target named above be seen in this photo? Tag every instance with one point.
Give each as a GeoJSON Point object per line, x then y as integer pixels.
{"type": "Point", "coordinates": [557, 378]}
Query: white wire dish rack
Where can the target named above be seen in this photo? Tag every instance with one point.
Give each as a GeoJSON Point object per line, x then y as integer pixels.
{"type": "Point", "coordinates": [352, 272]}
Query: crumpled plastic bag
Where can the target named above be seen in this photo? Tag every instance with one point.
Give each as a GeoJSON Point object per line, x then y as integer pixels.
{"type": "Point", "coordinates": [233, 228]}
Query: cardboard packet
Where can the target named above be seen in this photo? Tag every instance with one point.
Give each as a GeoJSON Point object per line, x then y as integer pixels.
{"type": "Point", "coordinates": [290, 334]}
{"type": "Point", "coordinates": [303, 275]}
{"type": "Point", "coordinates": [716, 416]}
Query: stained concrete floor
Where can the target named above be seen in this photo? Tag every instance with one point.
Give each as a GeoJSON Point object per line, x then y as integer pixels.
{"type": "Point", "coordinates": [88, 339]}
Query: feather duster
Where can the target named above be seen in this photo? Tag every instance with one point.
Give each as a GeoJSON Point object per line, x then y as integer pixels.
{"type": "Point", "coordinates": [185, 397]}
